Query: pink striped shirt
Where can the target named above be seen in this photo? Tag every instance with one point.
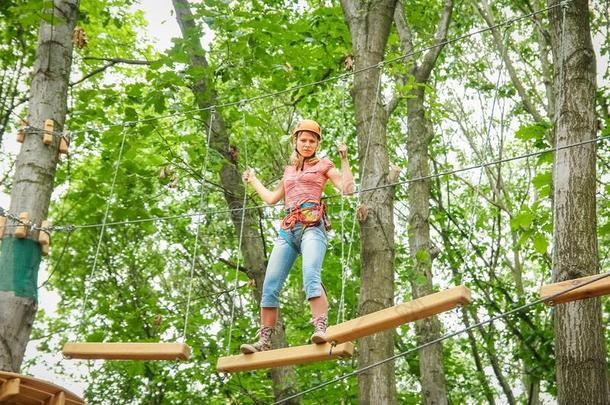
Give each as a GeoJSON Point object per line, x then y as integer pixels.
{"type": "Point", "coordinates": [307, 184]}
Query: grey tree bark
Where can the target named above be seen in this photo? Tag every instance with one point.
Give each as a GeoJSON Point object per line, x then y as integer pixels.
{"type": "Point", "coordinates": [419, 136]}
{"type": "Point", "coordinates": [33, 182]}
{"type": "Point", "coordinates": [253, 250]}
{"type": "Point", "coordinates": [581, 368]}
{"type": "Point", "coordinates": [369, 23]}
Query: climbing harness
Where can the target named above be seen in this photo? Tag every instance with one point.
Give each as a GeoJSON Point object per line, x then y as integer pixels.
{"type": "Point", "coordinates": [309, 214]}
{"type": "Point", "coordinates": [305, 215]}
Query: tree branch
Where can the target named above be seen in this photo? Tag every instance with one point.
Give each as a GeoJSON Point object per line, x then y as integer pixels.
{"type": "Point", "coordinates": [350, 10]}
{"type": "Point", "coordinates": [406, 44]}
{"type": "Point", "coordinates": [483, 8]}
{"type": "Point", "coordinates": [111, 62]}
{"type": "Point", "coordinates": [404, 31]}
{"type": "Point", "coordinates": [233, 265]}
{"type": "Point", "coordinates": [121, 60]}
{"type": "Point", "coordinates": [423, 72]}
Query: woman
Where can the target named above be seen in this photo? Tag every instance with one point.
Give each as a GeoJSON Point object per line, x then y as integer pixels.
{"type": "Point", "coordinates": [302, 231]}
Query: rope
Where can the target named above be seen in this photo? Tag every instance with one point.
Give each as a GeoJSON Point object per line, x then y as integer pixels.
{"type": "Point", "coordinates": [99, 242]}
{"type": "Point", "coordinates": [61, 228]}
{"type": "Point", "coordinates": [444, 337]}
{"type": "Point", "coordinates": [202, 188]}
{"type": "Point", "coordinates": [365, 160]}
{"type": "Point", "coordinates": [58, 261]}
{"type": "Point", "coordinates": [341, 311]}
{"type": "Point", "coordinates": [323, 81]}
{"type": "Point", "coordinates": [487, 137]}
{"type": "Point", "coordinates": [241, 232]}
{"type": "Point", "coordinates": [487, 164]}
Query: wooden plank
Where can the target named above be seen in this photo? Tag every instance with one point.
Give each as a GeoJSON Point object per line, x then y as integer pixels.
{"type": "Point", "coordinates": [127, 351]}
{"type": "Point", "coordinates": [9, 389]}
{"type": "Point", "coordinates": [392, 317]}
{"type": "Point", "coordinates": [594, 289]}
{"type": "Point", "coordinates": [284, 357]}
{"type": "Point", "coordinates": [57, 399]}
{"type": "Point", "coordinates": [2, 226]}
{"type": "Point", "coordinates": [22, 230]}
{"type": "Point", "coordinates": [36, 392]}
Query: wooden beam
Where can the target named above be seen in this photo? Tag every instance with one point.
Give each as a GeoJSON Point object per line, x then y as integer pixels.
{"type": "Point", "coordinates": [127, 351]}
{"type": "Point", "coordinates": [38, 392]}
{"type": "Point", "coordinates": [284, 357]}
{"type": "Point", "coordinates": [2, 226]}
{"type": "Point", "coordinates": [594, 289]}
{"type": "Point", "coordinates": [9, 389]}
{"type": "Point", "coordinates": [392, 317]}
{"type": "Point", "coordinates": [57, 399]}
{"type": "Point", "coordinates": [29, 393]}
{"type": "Point", "coordinates": [22, 230]}
{"type": "Point", "coordinates": [47, 137]}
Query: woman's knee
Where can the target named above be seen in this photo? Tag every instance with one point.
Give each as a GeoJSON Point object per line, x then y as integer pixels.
{"type": "Point", "coordinates": [270, 299]}
{"type": "Point", "coordinates": [312, 282]}
{"type": "Point", "coordinates": [271, 291]}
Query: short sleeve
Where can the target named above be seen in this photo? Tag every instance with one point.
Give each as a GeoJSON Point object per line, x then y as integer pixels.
{"type": "Point", "coordinates": [326, 166]}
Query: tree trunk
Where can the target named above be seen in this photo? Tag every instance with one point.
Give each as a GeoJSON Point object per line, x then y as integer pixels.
{"type": "Point", "coordinates": [369, 24]}
{"type": "Point", "coordinates": [419, 136]}
{"type": "Point", "coordinates": [33, 183]}
{"type": "Point", "coordinates": [579, 345]}
{"type": "Point", "coordinates": [252, 247]}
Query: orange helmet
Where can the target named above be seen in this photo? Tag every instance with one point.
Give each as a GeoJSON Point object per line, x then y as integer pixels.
{"type": "Point", "coordinates": [308, 125]}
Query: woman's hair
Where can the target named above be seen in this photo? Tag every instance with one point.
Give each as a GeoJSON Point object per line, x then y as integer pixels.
{"type": "Point", "coordinates": [296, 159]}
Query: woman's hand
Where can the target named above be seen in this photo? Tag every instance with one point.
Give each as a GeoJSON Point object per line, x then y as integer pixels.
{"type": "Point", "coordinates": [268, 196]}
{"type": "Point", "coordinates": [343, 178]}
{"type": "Point", "coordinates": [249, 175]}
{"type": "Point", "coordinates": [342, 149]}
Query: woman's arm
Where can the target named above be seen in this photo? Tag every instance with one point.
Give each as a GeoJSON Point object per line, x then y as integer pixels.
{"type": "Point", "coordinates": [268, 196]}
{"type": "Point", "coordinates": [343, 180]}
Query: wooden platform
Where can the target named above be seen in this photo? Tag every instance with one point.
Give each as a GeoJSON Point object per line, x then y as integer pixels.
{"type": "Point", "coordinates": [392, 317]}
{"type": "Point", "coordinates": [594, 289]}
{"type": "Point", "coordinates": [127, 351]}
{"type": "Point", "coordinates": [17, 389]}
{"type": "Point", "coordinates": [284, 357]}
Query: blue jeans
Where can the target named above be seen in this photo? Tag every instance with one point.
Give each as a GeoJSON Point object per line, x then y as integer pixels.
{"type": "Point", "coordinates": [311, 243]}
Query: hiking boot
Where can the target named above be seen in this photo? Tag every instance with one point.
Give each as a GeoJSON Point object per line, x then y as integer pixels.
{"type": "Point", "coordinates": [319, 332]}
{"type": "Point", "coordinates": [264, 341]}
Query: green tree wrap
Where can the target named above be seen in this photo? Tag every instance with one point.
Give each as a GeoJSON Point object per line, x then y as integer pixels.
{"type": "Point", "coordinates": [19, 266]}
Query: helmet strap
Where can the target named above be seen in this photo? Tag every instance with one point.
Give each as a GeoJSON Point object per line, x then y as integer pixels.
{"type": "Point", "coordinates": [305, 159]}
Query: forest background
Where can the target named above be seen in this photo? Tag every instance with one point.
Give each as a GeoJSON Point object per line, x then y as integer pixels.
{"type": "Point", "coordinates": [488, 97]}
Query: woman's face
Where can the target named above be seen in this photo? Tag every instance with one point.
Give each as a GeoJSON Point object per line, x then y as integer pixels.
{"type": "Point", "coordinates": [307, 143]}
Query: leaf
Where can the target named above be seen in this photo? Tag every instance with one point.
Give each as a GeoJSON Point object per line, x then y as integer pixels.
{"type": "Point", "coordinates": [540, 243]}
{"type": "Point", "coordinates": [535, 131]}
{"type": "Point", "coordinates": [523, 220]}
{"type": "Point", "coordinates": [604, 229]}
{"type": "Point", "coordinates": [542, 182]}
{"type": "Point", "coordinates": [423, 256]}
{"type": "Point", "coordinates": [130, 114]}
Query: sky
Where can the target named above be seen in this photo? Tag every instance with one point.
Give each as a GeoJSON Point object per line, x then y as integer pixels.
{"type": "Point", "coordinates": [162, 28]}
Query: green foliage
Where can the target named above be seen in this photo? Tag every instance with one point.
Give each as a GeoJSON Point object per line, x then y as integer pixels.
{"type": "Point", "coordinates": [537, 132]}
{"type": "Point", "coordinates": [492, 228]}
